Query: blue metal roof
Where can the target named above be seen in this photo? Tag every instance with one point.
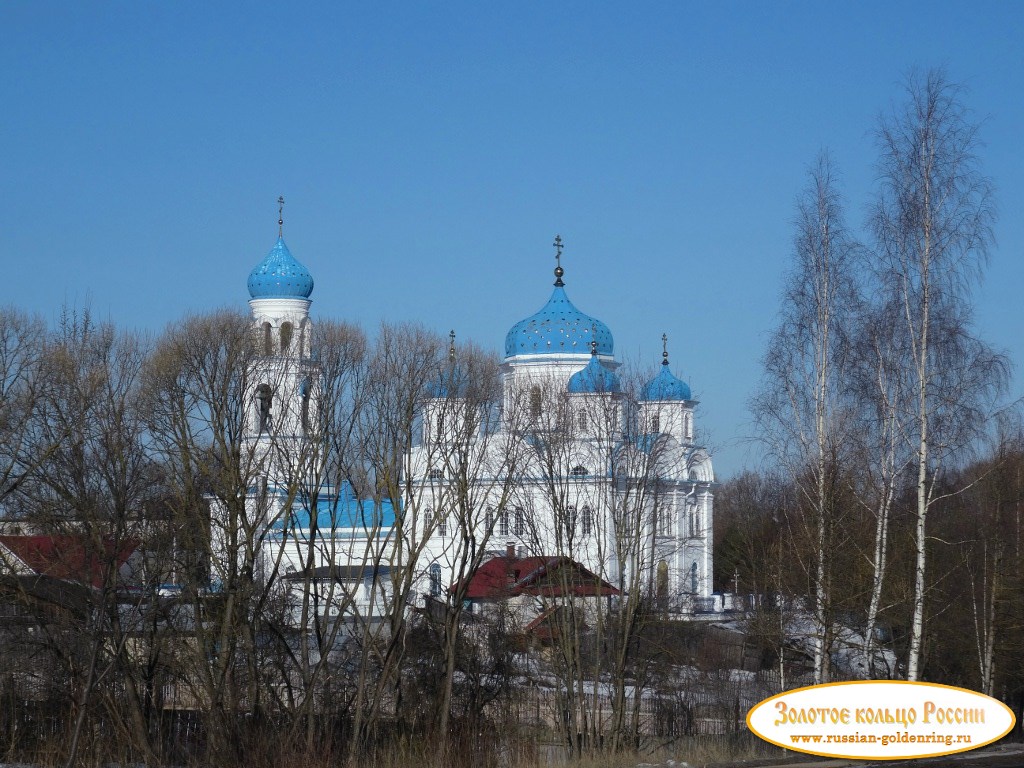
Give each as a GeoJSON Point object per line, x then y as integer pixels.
{"type": "Point", "coordinates": [342, 513]}
{"type": "Point", "coordinates": [665, 386]}
{"type": "Point", "coordinates": [594, 379]}
{"type": "Point", "coordinates": [280, 276]}
{"type": "Point", "coordinates": [558, 328]}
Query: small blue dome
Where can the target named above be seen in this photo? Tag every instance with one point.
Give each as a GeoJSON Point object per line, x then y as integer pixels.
{"type": "Point", "coordinates": [558, 328]}
{"type": "Point", "coordinates": [280, 276]}
{"type": "Point", "coordinates": [665, 386]}
{"type": "Point", "coordinates": [594, 379]}
{"type": "Point", "coordinates": [451, 382]}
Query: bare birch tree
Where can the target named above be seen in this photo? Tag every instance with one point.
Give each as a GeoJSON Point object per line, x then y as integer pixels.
{"type": "Point", "coordinates": [932, 223]}
{"type": "Point", "coordinates": [800, 406]}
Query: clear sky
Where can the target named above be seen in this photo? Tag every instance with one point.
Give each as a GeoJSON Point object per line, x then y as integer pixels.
{"type": "Point", "coordinates": [429, 152]}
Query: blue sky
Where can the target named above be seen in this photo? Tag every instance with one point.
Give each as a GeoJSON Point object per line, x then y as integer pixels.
{"type": "Point", "coordinates": [429, 152]}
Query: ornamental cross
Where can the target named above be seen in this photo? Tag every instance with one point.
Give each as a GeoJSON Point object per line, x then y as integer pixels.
{"type": "Point", "coordinates": [664, 349]}
{"type": "Point", "coordinates": [558, 260]}
{"type": "Point", "coordinates": [280, 216]}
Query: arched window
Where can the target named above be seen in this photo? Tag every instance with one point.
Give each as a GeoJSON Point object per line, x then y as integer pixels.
{"type": "Point", "coordinates": [535, 402]}
{"type": "Point", "coordinates": [579, 471]}
{"type": "Point", "coordinates": [503, 523]}
{"type": "Point", "coordinates": [583, 419]}
{"type": "Point", "coordinates": [268, 340]}
{"type": "Point", "coordinates": [662, 580]}
{"type": "Point", "coordinates": [663, 514]}
{"type": "Point", "coordinates": [655, 424]}
{"type": "Point", "coordinates": [693, 578]}
{"type": "Point", "coordinates": [435, 580]}
{"type": "Point", "coordinates": [520, 521]}
{"type": "Point", "coordinates": [264, 401]}
{"type": "Point", "coordinates": [570, 522]}
{"type": "Point", "coordinates": [286, 336]}
{"type": "Point", "coordinates": [587, 521]}
{"type": "Point", "coordinates": [428, 521]}
{"type": "Point", "coordinates": [304, 391]}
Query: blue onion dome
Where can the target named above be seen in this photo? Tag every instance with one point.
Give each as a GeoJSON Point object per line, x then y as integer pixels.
{"type": "Point", "coordinates": [452, 381]}
{"type": "Point", "coordinates": [280, 276]}
{"type": "Point", "coordinates": [594, 379]}
{"type": "Point", "coordinates": [665, 386]}
{"type": "Point", "coordinates": [558, 328]}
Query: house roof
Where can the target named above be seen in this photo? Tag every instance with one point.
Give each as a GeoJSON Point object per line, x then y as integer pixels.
{"type": "Point", "coordinates": [545, 576]}
{"type": "Point", "coordinates": [67, 557]}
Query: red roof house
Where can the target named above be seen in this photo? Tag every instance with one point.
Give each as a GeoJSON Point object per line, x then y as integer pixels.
{"type": "Point", "coordinates": [507, 576]}
{"type": "Point", "coordinates": [66, 558]}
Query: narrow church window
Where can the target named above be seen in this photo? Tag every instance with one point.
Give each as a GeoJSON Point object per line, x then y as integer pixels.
{"type": "Point", "coordinates": [520, 522]}
{"type": "Point", "coordinates": [663, 512]}
{"type": "Point", "coordinates": [286, 336]}
{"type": "Point", "coordinates": [587, 521]}
{"type": "Point", "coordinates": [436, 474]}
{"type": "Point", "coordinates": [268, 343]}
{"type": "Point", "coordinates": [662, 579]}
{"type": "Point", "coordinates": [435, 580]}
{"type": "Point", "coordinates": [503, 521]}
{"type": "Point", "coordinates": [442, 526]}
{"type": "Point", "coordinates": [488, 519]}
{"type": "Point", "coordinates": [693, 578]}
{"type": "Point", "coordinates": [305, 404]}
{"type": "Point", "coordinates": [570, 522]}
{"type": "Point", "coordinates": [655, 424]}
{"type": "Point", "coordinates": [583, 420]}
{"type": "Point", "coordinates": [264, 399]}
{"type": "Point", "coordinates": [428, 521]}
{"type": "Point", "coordinates": [535, 403]}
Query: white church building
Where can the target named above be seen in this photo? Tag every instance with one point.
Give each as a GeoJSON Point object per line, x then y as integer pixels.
{"type": "Point", "coordinates": [565, 462]}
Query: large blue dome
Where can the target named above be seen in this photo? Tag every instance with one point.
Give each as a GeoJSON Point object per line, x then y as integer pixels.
{"type": "Point", "coordinates": [593, 380]}
{"type": "Point", "coordinates": [280, 276]}
{"type": "Point", "coordinates": [665, 386]}
{"type": "Point", "coordinates": [558, 328]}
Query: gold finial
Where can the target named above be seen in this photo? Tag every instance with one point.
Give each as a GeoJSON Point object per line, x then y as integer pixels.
{"type": "Point", "coordinates": [664, 349]}
{"type": "Point", "coordinates": [558, 261]}
{"type": "Point", "coordinates": [280, 216]}
{"type": "Point", "coordinates": [451, 345]}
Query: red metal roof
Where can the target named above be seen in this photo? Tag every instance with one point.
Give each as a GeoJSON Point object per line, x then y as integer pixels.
{"type": "Point", "coordinates": [69, 557]}
{"type": "Point", "coordinates": [504, 577]}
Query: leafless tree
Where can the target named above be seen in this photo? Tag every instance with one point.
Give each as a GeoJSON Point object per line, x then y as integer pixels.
{"type": "Point", "coordinates": [932, 223]}
{"type": "Point", "coordinates": [89, 491]}
{"type": "Point", "coordinates": [22, 384]}
{"type": "Point", "coordinates": [800, 409]}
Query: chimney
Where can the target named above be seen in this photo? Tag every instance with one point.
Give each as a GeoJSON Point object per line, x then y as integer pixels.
{"type": "Point", "coordinates": [510, 550]}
